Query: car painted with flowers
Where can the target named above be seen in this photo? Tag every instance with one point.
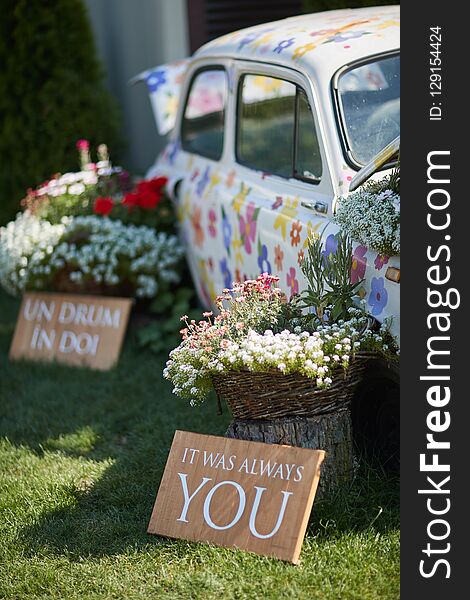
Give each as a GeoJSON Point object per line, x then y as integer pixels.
{"type": "Point", "coordinates": [269, 126]}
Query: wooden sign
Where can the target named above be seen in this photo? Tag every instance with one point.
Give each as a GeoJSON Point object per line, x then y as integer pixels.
{"type": "Point", "coordinates": [233, 493]}
{"type": "Point", "coordinates": [84, 331]}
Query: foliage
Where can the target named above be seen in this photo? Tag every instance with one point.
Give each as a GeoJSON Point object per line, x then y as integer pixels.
{"type": "Point", "coordinates": [330, 293]}
{"type": "Point", "coordinates": [162, 333]}
{"type": "Point", "coordinates": [87, 254]}
{"type": "Point", "coordinates": [51, 93]}
{"type": "Point", "coordinates": [371, 215]}
{"type": "Point", "coordinates": [389, 182]}
{"type": "Point", "coordinates": [81, 456]}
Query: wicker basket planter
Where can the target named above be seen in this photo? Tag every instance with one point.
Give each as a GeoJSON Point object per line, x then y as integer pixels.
{"type": "Point", "coordinates": [63, 284]}
{"type": "Point", "coordinates": [273, 395]}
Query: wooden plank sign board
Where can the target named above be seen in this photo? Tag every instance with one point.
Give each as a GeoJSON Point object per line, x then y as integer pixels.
{"type": "Point", "coordinates": [234, 493]}
{"type": "Point", "coordinates": [83, 331]}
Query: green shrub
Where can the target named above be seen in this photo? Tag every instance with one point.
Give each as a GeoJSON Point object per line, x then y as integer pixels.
{"type": "Point", "coordinates": [51, 94]}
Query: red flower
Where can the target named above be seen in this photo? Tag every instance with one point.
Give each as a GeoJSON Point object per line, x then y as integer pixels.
{"type": "Point", "coordinates": [148, 199]}
{"type": "Point", "coordinates": [154, 185]}
{"type": "Point", "coordinates": [146, 195]}
{"type": "Point", "coordinates": [103, 206]}
{"type": "Point", "coordinates": [130, 200]}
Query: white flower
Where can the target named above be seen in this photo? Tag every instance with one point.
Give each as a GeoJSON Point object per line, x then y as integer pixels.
{"type": "Point", "coordinates": [372, 219]}
{"type": "Point", "coordinates": [76, 189]}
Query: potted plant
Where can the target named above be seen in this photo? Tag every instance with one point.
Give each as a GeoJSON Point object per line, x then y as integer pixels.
{"type": "Point", "coordinates": [270, 358]}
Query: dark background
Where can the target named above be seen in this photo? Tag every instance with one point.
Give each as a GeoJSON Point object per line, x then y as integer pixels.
{"type": "Point", "coordinates": [209, 19]}
{"type": "Point", "coordinates": [419, 136]}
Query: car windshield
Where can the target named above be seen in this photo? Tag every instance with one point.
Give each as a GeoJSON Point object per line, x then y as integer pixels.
{"type": "Point", "coordinates": [369, 98]}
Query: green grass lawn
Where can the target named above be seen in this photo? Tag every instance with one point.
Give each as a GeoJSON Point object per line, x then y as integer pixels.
{"type": "Point", "coordinates": [81, 457]}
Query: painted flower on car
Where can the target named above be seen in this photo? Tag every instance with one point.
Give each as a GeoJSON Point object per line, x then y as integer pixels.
{"type": "Point", "coordinates": [331, 246]}
{"type": "Point", "coordinates": [359, 264]}
{"type": "Point", "coordinates": [292, 282]}
{"type": "Point", "coordinates": [226, 274]}
{"type": "Point", "coordinates": [263, 262]}
{"type": "Point", "coordinates": [237, 246]}
{"type": "Point", "coordinates": [288, 213]}
{"type": "Point", "coordinates": [198, 231]}
{"type": "Point", "coordinates": [226, 230]}
{"type": "Point", "coordinates": [378, 295]}
{"type": "Point", "coordinates": [278, 257]}
{"type": "Point", "coordinates": [380, 261]}
{"type": "Point", "coordinates": [212, 221]}
{"type": "Point", "coordinates": [295, 233]}
{"type": "Point", "coordinates": [202, 183]}
{"type": "Point", "coordinates": [247, 226]}
{"type": "Point", "coordinates": [240, 198]}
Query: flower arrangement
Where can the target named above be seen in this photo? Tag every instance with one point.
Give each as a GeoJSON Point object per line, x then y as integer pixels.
{"type": "Point", "coordinates": [83, 232]}
{"type": "Point", "coordinates": [86, 253]}
{"type": "Point", "coordinates": [104, 190]}
{"type": "Point", "coordinates": [371, 215]}
{"type": "Point", "coordinates": [74, 193]}
{"type": "Point", "coordinates": [246, 336]}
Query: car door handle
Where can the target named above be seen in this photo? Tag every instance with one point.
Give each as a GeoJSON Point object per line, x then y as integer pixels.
{"type": "Point", "coordinates": [321, 207]}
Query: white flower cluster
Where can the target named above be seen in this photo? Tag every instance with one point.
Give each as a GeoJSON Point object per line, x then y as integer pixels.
{"type": "Point", "coordinates": [288, 352]}
{"type": "Point", "coordinates": [20, 240]}
{"type": "Point", "coordinates": [372, 219]}
{"type": "Point", "coordinates": [69, 183]}
{"type": "Point", "coordinates": [90, 248]}
{"type": "Point", "coordinates": [190, 370]}
{"type": "Point", "coordinates": [316, 355]}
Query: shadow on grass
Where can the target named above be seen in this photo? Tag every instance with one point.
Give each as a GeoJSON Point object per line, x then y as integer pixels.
{"type": "Point", "coordinates": [123, 422]}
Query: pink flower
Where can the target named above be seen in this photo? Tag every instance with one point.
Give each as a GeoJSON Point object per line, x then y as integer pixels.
{"type": "Point", "coordinates": [83, 145]}
{"type": "Point", "coordinates": [248, 227]}
{"type": "Point", "coordinates": [292, 282]}
{"type": "Point", "coordinates": [359, 263]}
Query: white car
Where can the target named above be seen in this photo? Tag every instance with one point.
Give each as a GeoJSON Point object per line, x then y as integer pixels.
{"type": "Point", "coordinates": [269, 127]}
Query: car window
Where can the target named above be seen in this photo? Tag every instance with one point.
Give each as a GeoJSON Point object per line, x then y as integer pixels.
{"type": "Point", "coordinates": [369, 98]}
{"type": "Point", "coordinates": [308, 163]}
{"type": "Point", "coordinates": [266, 124]}
{"type": "Point", "coordinates": [276, 130]}
{"type": "Point", "coordinates": [202, 130]}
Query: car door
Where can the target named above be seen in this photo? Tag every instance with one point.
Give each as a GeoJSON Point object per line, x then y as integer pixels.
{"type": "Point", "coordinates": [278, 189]}
{"type": "Point", "coordinates": [193, 160]}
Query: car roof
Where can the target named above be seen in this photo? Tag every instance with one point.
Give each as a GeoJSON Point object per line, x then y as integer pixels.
{"type": "Point", "coordinates": [318, 43]}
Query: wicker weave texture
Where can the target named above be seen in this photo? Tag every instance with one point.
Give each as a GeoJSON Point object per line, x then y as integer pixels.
{"type": "Point", "coordinates": [272, 394]}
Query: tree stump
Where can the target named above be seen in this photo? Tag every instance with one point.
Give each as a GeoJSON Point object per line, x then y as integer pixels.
{"type": "Point", "coordinates": [330, 432]}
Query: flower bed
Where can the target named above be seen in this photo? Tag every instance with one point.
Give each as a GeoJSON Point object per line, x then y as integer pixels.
{"type": "Point", "coordinates": [104, 190]}
{"type": "Point", "coordinates": [84, 232]}
{"type": "Point", "coordinates": [86, 254]}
